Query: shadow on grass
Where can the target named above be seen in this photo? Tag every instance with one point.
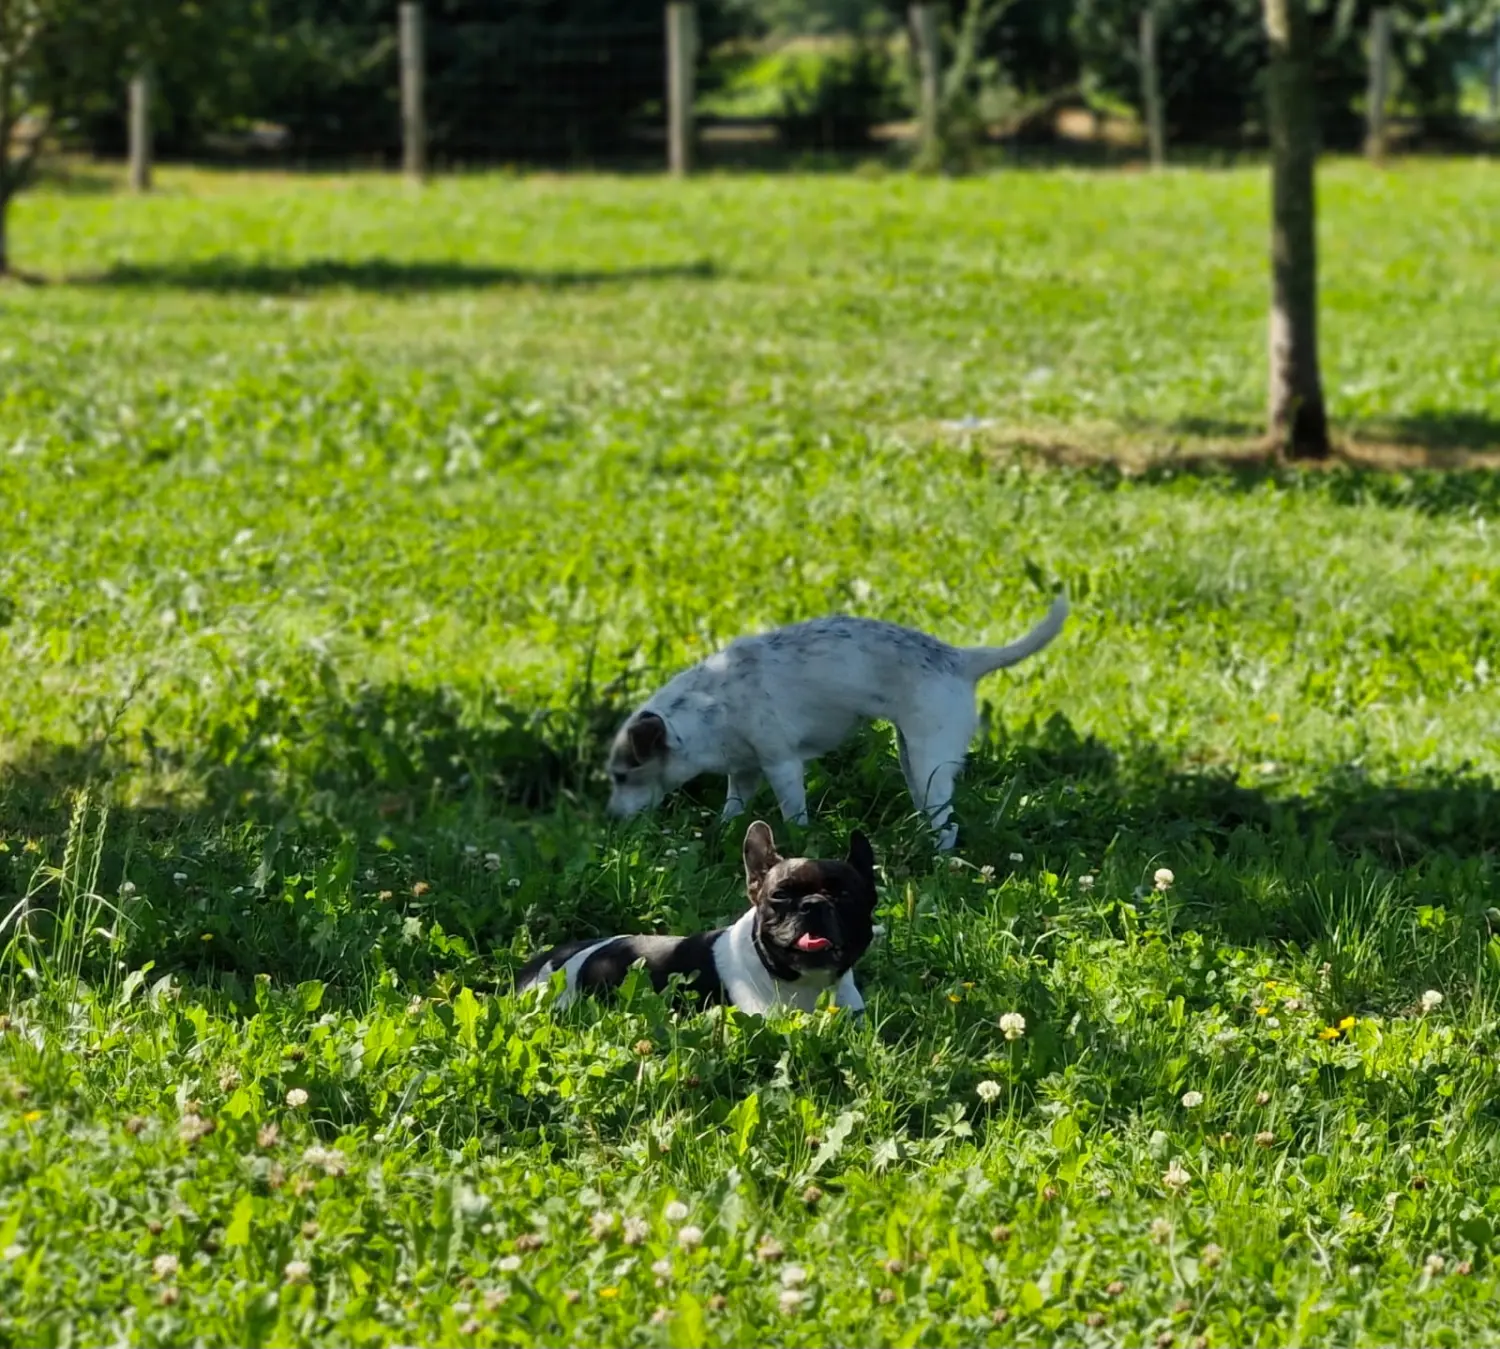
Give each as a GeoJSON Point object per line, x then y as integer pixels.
{"type": "Point", "coordinates": [309, 837]}
{"type": "Point", "coordinates": [70, 180]}
{"type": "Point", "coordinates": [1439, 463]}
{"type": "Point", "coordinates": [234, 275]}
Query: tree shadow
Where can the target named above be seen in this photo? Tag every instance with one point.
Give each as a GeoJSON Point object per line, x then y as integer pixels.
{"type": "Point", "coordinates": [70, 180]}
{"type": "Point", "coordinates": [1347, 826]}
{"type": "Point", "coordinates": [229, 275]}
{"type": "Point", "coordinates": [422, 831]}
{"type": "Point", "coordinates": [301, 833]}
{"type": "Point", "coordinates": [1444, 433]}
{"type": "Point", "coordinates": [1437, 463]}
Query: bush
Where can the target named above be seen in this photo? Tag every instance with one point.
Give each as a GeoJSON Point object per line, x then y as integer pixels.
{"type": "Point", "coordinates": [1212, 55]}
{"type": "Point", "coordinates": [832, 103]}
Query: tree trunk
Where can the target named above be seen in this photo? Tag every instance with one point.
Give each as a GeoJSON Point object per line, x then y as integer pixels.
{"type": "Point", "coordinates": [682, 62]}
{"type": "Point", "coordinates": [139, 123]}
{"type": "Point", "coordinates": [1380, 81]}
{"type": "Point", "coordinates": [1494, 65]}
{"type": "Point", "coordinates": [1156, 134]}
{"type": "Point", "coordinates": [1298, 422]}
{"type": "Point", "coordinates": [413, 97]}
{"type": "Point", "coordinates": [924, 30]}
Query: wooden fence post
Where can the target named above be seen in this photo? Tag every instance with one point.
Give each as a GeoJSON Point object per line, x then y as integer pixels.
{"type": "Point", "coordinates": [1494, 72]}
{"type": "Point", "coordinates": [924, 29]}
{"type": "Point", "coordinates": [1156, 134]}
{"type": "Point", "coordinates": [682, 61]}
{"type": "Point", "coordinates": [1380, 83]}
{"type": "Point", "coordinates": [413, 114]}
{"type": "Point", "coordinates": [139, 129]}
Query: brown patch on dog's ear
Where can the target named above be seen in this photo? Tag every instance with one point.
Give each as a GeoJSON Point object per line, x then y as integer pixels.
{"type": "Point", "coordinates": [862, 857]}
{"type": "Point", "coordinates": [760, 856]}
{"type": "Point", "coordinates": [647, 735]}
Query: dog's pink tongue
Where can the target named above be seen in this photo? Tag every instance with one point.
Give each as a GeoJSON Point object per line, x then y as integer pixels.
{"type": "Point", "coordinates": [808, 942]}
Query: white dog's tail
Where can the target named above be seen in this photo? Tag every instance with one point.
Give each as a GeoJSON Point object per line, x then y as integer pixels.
{"type": "Point", "coordinates": [977, 661]}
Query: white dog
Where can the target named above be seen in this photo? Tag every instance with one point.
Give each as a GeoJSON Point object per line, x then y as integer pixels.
{"type": "Point", "coordinates": [765, 705]}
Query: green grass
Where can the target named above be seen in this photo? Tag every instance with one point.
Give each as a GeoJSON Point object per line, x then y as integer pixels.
{"type": "Point", "coordinates": [341, 523]}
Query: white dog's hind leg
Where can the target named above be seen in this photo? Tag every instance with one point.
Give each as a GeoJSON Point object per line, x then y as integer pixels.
{"type": "Point", "coordinates": [791, 792]}
{"type": "Point", "coordinates": [932, 765]}
{"type": "Point", "coordinates": [742, 787]}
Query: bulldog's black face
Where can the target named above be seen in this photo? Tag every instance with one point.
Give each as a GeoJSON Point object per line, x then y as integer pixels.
{"type": "Point", "coordinates": [812, 915]}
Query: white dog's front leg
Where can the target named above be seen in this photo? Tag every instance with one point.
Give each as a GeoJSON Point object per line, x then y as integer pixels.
{"type": "Point", "coordinates": [742, 787]}
{"type": "Point", "coordinates": [846, 994]}
{"type": "Point", "coordinates": [791, 792]}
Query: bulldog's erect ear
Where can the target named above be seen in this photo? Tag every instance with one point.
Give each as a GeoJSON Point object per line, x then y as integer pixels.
{"type": "Point", "coordinates": [862, 857]}
{"type": "Point", "coordinates": [647, 735]}
{"type": "Point", "coordinates": [760, 856]}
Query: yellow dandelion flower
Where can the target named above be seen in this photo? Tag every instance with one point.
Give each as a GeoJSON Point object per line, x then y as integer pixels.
{"type": "Point", "coordinates": [1329, 1033]}
{"type": "Point", "coordinates": [1348, 1022]}
{"type": "Point", "coordinates": [609, 1292]}
{"type": "Point", "coordinates": [954, 997]}
{"type": "Point", "coordinates": [1262, 1010]}
{"type": "Point", "coordinates": [31, 1116]}
{"type": "Point", "coordinates": [1273, 717]}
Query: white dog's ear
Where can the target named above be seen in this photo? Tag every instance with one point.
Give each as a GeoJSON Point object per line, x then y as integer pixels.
{"type": "Point", "coordinates": [760, 855]}
{"type": "Point", "coordinates": [648, 737]}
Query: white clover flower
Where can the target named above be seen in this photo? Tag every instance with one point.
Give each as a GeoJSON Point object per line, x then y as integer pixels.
{"type": "Point", "coordinates": [508, 1264]}
{"type": "Point", "coordinates": [179, 876]}
{"type": "Point", "coordinates": [675, 1212]}
{"type": "Point", "coordinates": [165, 1267]}
{"type": "Point", "coordinates": [636, 1231]}
{"type": "Point", "coordinates": [1017, 857]}
{"type": "Point", "coordinates": [127, 887]}
{"type": "Point", "coordinates": [601, 1225]}
{"type": "Point", "coordinates": [329, 1160]}
{"type": "Point", "coordinates": [1431, 1000]}
{"type": "Point", "coordinates": [987, 1091]}
{"type": "Point", "coordinates": [1191, 1100]}
{"type": "Point", "coordinates": [13, 1252]}
{"type": "Point", "coordinates": [1433, 1265]}
{"type": "Point", "coordinates": [193, 1127]}
{"type": "Point", "coordinates": [987, 874]}
{"type": "Point", "coordinates": [297, 1271]}
{"type": "Point", "coordinates": [1086, 882]}
{"type": "Point", "coordinates": [296, 1098]}
{"type": "Point", "coordinates": [1164, 878]}
{"type": "Point", "coordinates": [790, 1301]}
{"type": "Point", "coordinates": [662, 1269]}
{"type": "Point", "coordinates": [1175, 1177]}
{"type": "Point", "coordinates": [793, 1276]}
{"type": "Point", "coordinates": [690, 1236]}
{"type": "Point", "coordinates": [1013, 1024]}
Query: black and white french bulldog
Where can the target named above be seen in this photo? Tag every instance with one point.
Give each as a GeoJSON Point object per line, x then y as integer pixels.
{"type": "Point", "coordinates": [808, 922]}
